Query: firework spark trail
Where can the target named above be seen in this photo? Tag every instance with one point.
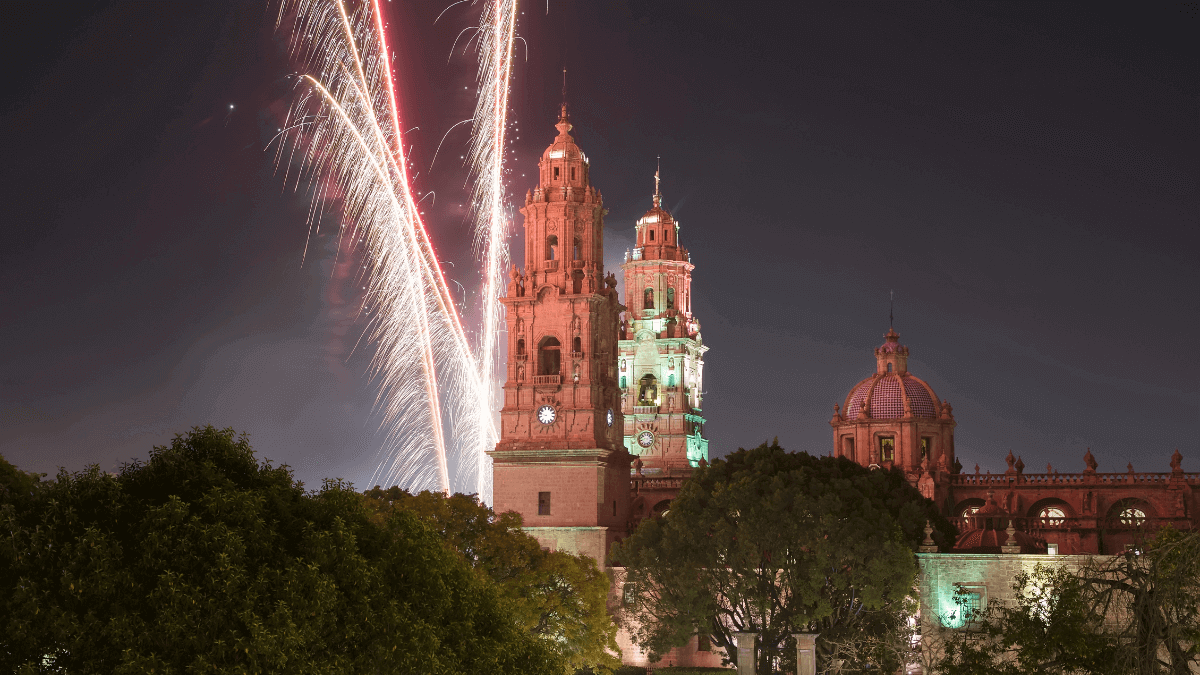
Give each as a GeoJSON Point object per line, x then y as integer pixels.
{"type": "Point", "coordinates": [344, 132]}
{"type": "Point", "coordinates": [497, 28]}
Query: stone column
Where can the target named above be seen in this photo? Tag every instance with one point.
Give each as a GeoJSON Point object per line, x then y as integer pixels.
{"type": "Point", "coordinates": [745, 652]}
{"type": "Point", "coordinates": [806, 653]}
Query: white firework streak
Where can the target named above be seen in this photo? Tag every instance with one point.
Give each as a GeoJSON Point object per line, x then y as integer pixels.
{"type": "Point", "coordinates": [497, 28]}
{"type": "Point", "coordinates": [344, 130]}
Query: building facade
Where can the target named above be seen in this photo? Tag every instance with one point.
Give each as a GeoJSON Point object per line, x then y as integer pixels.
{"type": "Point", "coordinates": [892, 419]}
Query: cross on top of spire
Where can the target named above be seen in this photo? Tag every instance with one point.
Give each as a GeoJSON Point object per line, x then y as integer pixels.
{"type": "Point", "coordinates": [657, 192]}
{"type": "Point", "coordinates": [564, 118]}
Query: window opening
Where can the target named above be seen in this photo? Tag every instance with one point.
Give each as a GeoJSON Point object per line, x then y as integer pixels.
{"type": "Point", "coordinates": [577, 248]}
{"type": "Point", "coordinates": [648, 390]}
{"type": "Point", "coordinates": [572, 173]}
{"type": "Point", "coordinates": [889, 367]}
{"type": "Point", "coordinates": [1132, 517]}
{"type": "Point", "coordinates": [543, 503]}
{"type": "Point", "coordinates": [670, 298]}
{"type": "Point", "coordinates": [623, 383]}
{"type": "Point", "coordinates": [614, 507]}
{"type": "Point", "coordinates": [577, 283]}
{"type": "Point", "coordinates": [556, 173]}
{"type": "Point", "coordinates": [552, 247]}
{"type": "Point", "coordinates": [577, 345]}
{"type": "Point", "coordinates": [703, 642]}
{"type": "Point", "coordinates": [520, 347]}
{"type": "Point", "coordinates": [1052, 515]}
{"type": "Point", "coordinates": [671, 380]}
{"type": "Point", "coordinates": [651, 235]}
{"type": "Point", "coordinates": [549, 362]}
{"type": "Point", "coordinates": [887, 449]}
{"type": "Point", "coordinates": [648, 299]}
{"type": "Point", "coordinates": [848, 446]}
{"type": "Point", "coordinates": [926, 445]}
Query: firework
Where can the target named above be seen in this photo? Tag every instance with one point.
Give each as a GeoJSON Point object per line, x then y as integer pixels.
{"type": "Point", "coordinates": [343, 132]}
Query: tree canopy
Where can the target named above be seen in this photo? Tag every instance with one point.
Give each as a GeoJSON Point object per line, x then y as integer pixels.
{"type": "Point", "coordinates": [559, 597]}
{"type": "Point", "coordinates": [204, 560]}
{"type": "Point", "coordinates": [777, 543]}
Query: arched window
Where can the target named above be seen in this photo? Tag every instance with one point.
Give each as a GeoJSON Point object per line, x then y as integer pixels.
{"type": "Point", "coordinates": [521, 347]}
{"type": "Point", "coordinates": [1052, 515]}
{"type": "Point", "coordinates": [648, 390]}
{"type": "Point", "coordinates": [670, 298]}
{"type": "Point", "coordinates": [624, 383]}
{"type": "Point", "coordinates": [549, 362]}
{"type": "Point", "coordinates": [1131, 516]}
{"type": "Point", "coordinates": [648, 299]}
{"type": "Point", "coordinates": [651, 235]}
{"type": "Point", "coordinates": [576, 249]}
{"type": "Point", "coordinates": [577, 345]}
{"type": "Point", "coordinates": [671, 380]}
{"type": "Point", "coordinates": [552, 247]}
{"type": "Point", "coordinates": [889, 367]}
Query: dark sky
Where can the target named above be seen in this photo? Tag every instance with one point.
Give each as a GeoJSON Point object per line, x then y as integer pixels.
{"type": "Point", "coordinates": [1024, 176]}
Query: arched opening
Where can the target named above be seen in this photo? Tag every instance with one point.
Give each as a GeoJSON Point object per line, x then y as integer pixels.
{"type": "Point", "coordinates": [577, 345]}
{"type": "Point", "coordinates": [889, 367]}
{"type": "Point", "coordinates": [1129, 514]}
{"type": "Point", "coordinates": [671, 380]}
{"type": "Point", "coordinates": [648, 299]}
{"type": "Point", "coordinates": [549, 358]}
{"type": "Point", "coordinates": [670, 298]}
{"type": "Point", "coordinates": [661, 508]}
{"type": "Point", "coordinates": [967, 507]}
{"type": "Point", "coordinates": [577, 281]}
{"type": "Point", "coordinates": [624, 382]}
{"type": "Point", "coordinates": [1051, 512]}
{"type": "Point", "coordinates": [576, 253]}
{"type": "Point", "coordinates": [648, 390]}
{"type": "Point", "coordinates": [552, 247]}
{"type": "Point", "coordinates": [521, 348]}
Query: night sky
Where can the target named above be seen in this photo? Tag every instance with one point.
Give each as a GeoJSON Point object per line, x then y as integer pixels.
{"type": "Point", "coordinates": [1024, 177]}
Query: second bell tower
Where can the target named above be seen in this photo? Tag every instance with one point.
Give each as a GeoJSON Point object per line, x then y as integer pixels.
{"type": "Point", "coordinates": [560, 461]}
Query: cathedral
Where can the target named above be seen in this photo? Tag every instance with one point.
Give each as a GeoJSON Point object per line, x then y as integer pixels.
{"type": "Point", "coordinates": [602, 421]}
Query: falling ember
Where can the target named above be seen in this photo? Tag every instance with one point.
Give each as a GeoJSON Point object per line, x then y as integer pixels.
{"type": "Point", "coordinates": [344, 133]}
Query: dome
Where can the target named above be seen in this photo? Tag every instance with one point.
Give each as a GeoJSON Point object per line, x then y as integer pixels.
{"type": "Point", "coordinates": [892, 392]}
{"type": "Point", "coordinates": [887, 395]}
{"type": "Point", "coordinates": [564, 146]}
{"type": "Point", "coordinates": [990, 541]}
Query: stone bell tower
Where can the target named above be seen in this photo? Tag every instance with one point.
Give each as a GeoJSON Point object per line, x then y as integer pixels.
{"type": "Point", "coordinates": [661, 365]}
{"type": "Point", "coordinates": [560, 461]}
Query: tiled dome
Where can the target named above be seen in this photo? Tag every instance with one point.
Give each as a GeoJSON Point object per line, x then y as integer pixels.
{"type": "Point", "coordinates": [887, 394]}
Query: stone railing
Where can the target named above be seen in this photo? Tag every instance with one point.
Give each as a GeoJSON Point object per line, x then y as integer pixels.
{"type": "Point", "coordinates": [645, 409]}
{"type": "Point", "coordinates": [1056, 479]}
{"type": "Point", "coordinates": [547, 379]}
{"type": "Point", "coordinates": [638, 483]}
{"type": "Point", "coordinates": [550, 265]}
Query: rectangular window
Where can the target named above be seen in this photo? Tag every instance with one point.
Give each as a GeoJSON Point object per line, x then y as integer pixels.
{"type": "Point", "coordinates": [543, 503]}
{"type": "Point", "coordinates": [926, 445]}
{"type": "Point", "coordinates": [967, 604]}
{"type": "Point", "coordinates": [572, 173]}
{"type": "Point", "coordinates": [887, 449]}
{"type": "Point", "coordinates": [556, 173]}
{"type": "Point", "coordinates": [629, 594]}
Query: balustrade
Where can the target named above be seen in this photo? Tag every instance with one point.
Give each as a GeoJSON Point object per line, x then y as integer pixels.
{"type": "Point", "coordinates": [547, 379]}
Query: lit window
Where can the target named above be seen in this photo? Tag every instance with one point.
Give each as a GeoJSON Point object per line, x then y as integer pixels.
{"type": "Point", "coordinates": [1052, 515]}
{"type": "Point", "coordinates": [887, 449]}
{"type": "Point", "coordinates": [1133, 517]}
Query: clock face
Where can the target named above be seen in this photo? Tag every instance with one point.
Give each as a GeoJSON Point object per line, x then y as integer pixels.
{"type": "Point", "coordinates": [645, 439]}
{"type": "Point", "coordinates": [610, 417]}
{"type": "Point", "coordinates": [546, 414]}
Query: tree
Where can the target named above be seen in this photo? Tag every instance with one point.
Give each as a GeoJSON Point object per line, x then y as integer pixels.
{"type": "Point", "coordinates": [559, 597]}
{"type": "Point", "coordinates": [777, 543]}
{"type": "Point", "coordinates": [203, 560]}
{"type": "Point", "coordinates": [1137, 613]}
